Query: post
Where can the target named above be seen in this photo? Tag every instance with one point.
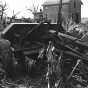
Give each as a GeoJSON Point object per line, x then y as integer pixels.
{"type": "Point", "coordinates": [59, 17]}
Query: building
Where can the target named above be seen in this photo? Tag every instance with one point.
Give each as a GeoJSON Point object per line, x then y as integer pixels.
{"type": "Point", "coordinates": [38, 16]}
{"type": "Point", "coordinates": [70, 9]}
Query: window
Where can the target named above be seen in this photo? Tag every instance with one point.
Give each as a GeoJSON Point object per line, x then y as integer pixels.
{"type": "Point", "coordinates": [74, 4]}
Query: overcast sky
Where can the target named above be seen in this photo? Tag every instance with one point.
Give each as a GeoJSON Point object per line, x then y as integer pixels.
{"type": "Point", "coordinates": [84, 9]}
{"type": "Point", "coordinates": [22, 5]}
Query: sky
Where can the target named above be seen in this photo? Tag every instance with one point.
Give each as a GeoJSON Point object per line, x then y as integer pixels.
{"type": "Point", "coordinates": [84, 8]}
{"type": "Point", "coordinates": [21, 6]}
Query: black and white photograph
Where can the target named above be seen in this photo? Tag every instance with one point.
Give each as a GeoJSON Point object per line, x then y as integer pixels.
{"type": "Point", "coordinates": [43, 43]}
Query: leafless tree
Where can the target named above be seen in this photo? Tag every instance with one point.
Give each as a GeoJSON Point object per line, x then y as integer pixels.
{"type": "Point", "coordinates": [34, 9]}
{"type": "Point", "coordinates": [3, 8]}
{"type": "Point", "coordinates": [14, 16]}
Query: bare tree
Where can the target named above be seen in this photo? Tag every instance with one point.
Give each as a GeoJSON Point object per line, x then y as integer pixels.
{"type": "Point", "coordinates": [34, 9]}
{"type": "Point", "coordinates": [14, 15]}
{"type": "Point", "coordinates": [3, 8]}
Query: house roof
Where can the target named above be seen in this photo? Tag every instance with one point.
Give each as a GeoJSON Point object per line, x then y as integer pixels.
{"type": "Point", "coordinates": [50, 2]}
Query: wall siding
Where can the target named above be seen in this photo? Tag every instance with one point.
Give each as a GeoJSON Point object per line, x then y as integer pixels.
{"type": "Point", "coordinates": [67, 10]}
